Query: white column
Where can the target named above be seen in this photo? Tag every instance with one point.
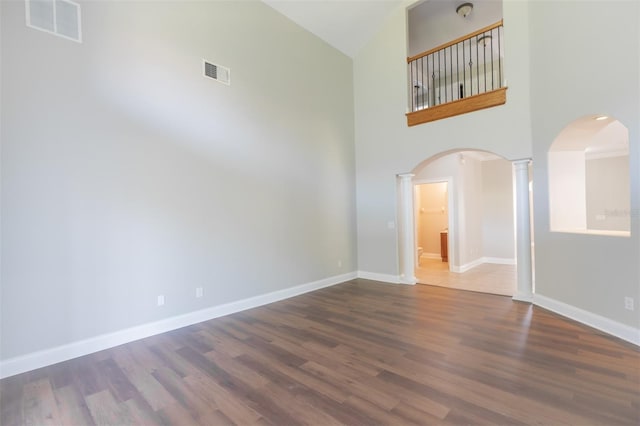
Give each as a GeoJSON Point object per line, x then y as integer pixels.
{"type": "Point", "coordinates": [406, 245]}
{"type": "Point", "coordinates": [524, 292]}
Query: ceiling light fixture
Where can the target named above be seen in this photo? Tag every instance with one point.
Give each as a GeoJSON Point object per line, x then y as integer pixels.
{"type": "Point", "coordinates": [601, 117]}
{"type": "Point", "coordinates": [464, 9]}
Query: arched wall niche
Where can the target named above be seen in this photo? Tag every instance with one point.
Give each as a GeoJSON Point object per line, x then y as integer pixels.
{"type": "Point", "coordinates": [589, 180]}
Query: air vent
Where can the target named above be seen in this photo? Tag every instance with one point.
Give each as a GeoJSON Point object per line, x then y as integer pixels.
{"type": "Point", "coordinates": [59, 17]}
{"type": "Point", "coordinates": [217, 72]}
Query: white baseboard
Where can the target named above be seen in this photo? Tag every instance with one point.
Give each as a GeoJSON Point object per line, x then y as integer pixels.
{"type": "Point", "coordinates": [623, 331]}
{"type": "Point", "coordinates": [467, 266]}
{"type": "Point", "coordinates": [385, 278]}
{"type": "Point", "coordinates": [523, 297]}
{"type": "Point", "coordinates": [69, 351]}
{"type": "Point", "coordinates": [499, 260]}
{"type": "Point", "coordinates": [431, 256]}
{"type": "Point", "coordinates": [480, 261]}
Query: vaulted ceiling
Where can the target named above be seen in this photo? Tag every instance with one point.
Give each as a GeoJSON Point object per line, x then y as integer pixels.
{"type": "Point", "coordinates": [345, 24]}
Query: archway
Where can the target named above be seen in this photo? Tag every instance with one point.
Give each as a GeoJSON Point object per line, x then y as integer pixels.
{"type": "Point", "coordinates": [463, 170]}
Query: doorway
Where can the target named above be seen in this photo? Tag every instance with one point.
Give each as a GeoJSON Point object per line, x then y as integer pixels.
{"type": "Point", "coordinates": [431, 201]}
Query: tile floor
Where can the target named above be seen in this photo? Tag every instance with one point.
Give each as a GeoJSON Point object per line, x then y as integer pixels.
{"type": "Point", "coordinates": [485, 278]}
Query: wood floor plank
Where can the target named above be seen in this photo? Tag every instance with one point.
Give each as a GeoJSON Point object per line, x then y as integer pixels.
{"type": "Point", "coordinates": [355, 386]}
{"type": "Point", "coordinates": [299, 408]}
{"type": "Point", "coordinates": [85, 376]}
{"type": "Point", "coordinates": [72, 407]}
{"type": "Point", "coordinates": [359, 353]}
{"type": "Point", "coordinates": [11, 398]}
{"type": "Point", "coordinates": [410, 413]}
{"type": "Point", "coordinates": [105, 410]}
{"type": "Point", "coordinates": [176, 414]}
{"type": "Point", "coordinates": [292, 378]}
{"type": "Point", "coordinates": [237, 369]}
{"type": "Point", "coordinates": [141, 415]}
{"type": "Point", "coordinates": [235, 408]}
{"type": "Point", "coordinates": [40, 407]}
{"type": "Point", "coordinates": [145, 384]}
{"type": "Point", "coordinates": [416, 398]}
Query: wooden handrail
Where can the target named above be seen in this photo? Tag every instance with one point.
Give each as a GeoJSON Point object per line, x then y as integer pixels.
{"type": "Point", "coordinates": [460, 106]}
{"type": "Point", "coordinates": [456, 41]}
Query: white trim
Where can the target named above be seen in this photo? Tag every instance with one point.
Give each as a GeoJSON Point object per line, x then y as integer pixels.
{"type": "Point", "coordinates": [408, 281]}
{"type": "Point", "coordinates": [499, 260]}
{"type": "Point", "coordinates": [521, 297]}
{"type": "Point", "coordinates": [385, 278]}
{"type": "Point", "coordinates": [452, 209]}
{"type": "Point", "coordinates": [467, 266]}
{"type": "Point", "coordinates": [437, 256]}
{"type": "Point", "coordinates": [69, 351]}
{"type": "Point", "coordinates": [600, 232]}
{"type": "Point", "coordinates": [622, 331]}
{"type": "Point", "coordinates": [494, 260]}
{"type": "Point", "coordinates": [597, 155]}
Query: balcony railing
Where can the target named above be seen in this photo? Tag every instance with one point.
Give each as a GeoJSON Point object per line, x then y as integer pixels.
{"type": "Point", "coordinates": [463, 75]}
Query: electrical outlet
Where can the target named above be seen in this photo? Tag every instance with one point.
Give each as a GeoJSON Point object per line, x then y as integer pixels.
{"type": "Point", "coordinates": [340, 263]}
{"type": "Point", "coordinates": [160, 300]}
{"type": "Point", "coordinates": [391, 224]}
{"type": "Point", "coordinates": [628, 303]}
{"type": "Point", "coordinates": [199, 292]}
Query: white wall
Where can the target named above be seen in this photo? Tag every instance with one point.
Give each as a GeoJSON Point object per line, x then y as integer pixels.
{"type": "Point", "coordinates": [592, 273]}
{"type": "Point", "coordinates": [607, 193]}
{"type": "Point", "coordinates": [126, 174]}
{"type": "Point", "coordinates": [553, 79]}
{"type": "Point", "coordinates": [498, 236]}
{"type": "Point", "coordinates": [385, 146]}
{"type": "Point", "coordinates": [567, 195]}
{"type": "Point", "coordinates": [470, 214]}
{"type": "Point", "coordinates": [433, 23]}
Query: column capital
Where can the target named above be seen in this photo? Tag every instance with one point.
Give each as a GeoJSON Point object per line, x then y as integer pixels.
{"type": "Point", "coordinates": [522, 162]}
{"type": "Point", "coordinates": [405, 175]}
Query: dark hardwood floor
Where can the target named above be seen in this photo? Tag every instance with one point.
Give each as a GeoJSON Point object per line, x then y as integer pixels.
{"type": "Point", "coordinates": [359, 353]}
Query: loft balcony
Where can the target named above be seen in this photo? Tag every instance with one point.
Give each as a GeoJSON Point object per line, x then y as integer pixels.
{"type": "Point", "coordinates": [458, 77]}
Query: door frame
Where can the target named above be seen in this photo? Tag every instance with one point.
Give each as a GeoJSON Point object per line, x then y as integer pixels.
{"type": "Point", "coordinates": [452, 210]}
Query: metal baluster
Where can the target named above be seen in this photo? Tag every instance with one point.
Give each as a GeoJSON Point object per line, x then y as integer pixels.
{"type": "Point", "coordinates": [457, 69]}
{"type": "Point", "coordinates": [422, 78]}
{"type": "Point", "coordinates": [464, 69]}
{"type": "Point", "coordinates": [499, 56]}
{"type": "Point", "coordinates": [444, 54]}
{"type": "Point", "coordinates": [492, 61]}
{"type": "Point", "coordinates": [477, 67]}
{"type": "Point", "coordinates": [433, 80]}
{"type": "Point", "coordinates": [484, 55]}
{"type": "Point", "coordinates": [451, 69]}
{"type": "Point", "coordinates": [413, 83]}
{"type": "Point", "coordinates": [470, 69]}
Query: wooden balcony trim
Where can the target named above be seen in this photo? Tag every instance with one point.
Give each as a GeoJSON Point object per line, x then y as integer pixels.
{"type": "Point", "coordinates": [461, 106]}
{"type": "Point", "coordinates": [456, 41]}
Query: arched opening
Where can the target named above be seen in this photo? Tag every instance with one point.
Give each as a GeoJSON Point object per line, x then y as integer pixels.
{"type": "Point", "coordinates": [472, 229]}
{"type": "Point", "coordinates": [589, 183]}
{"type": "Point", "coordinates": [407, 249]}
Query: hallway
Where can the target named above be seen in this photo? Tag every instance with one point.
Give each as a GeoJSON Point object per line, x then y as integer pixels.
{"type": "Point", "coordinates": [485, 278]}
